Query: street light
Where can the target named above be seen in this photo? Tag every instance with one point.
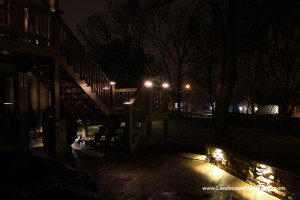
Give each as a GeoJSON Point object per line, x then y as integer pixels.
{"type": "Point", "coordinates": [187, 87]}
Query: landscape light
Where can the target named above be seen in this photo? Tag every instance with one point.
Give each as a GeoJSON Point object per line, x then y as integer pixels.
{"type": "Point", "coordinates": [218, 155]}
{"type": "Point", "coordinates": [187, 86]}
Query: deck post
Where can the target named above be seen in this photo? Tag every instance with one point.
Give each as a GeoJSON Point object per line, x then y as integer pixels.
{"type": "Point", "coordinates": [60, 127]}
{"type": "Point", "coordinates": [166, 121]}
{"type": "Point", "coordinates": [56, 29]}
{"type": "Point", "coordinates": [84, 130]}
{"type": "Point", "coordinates": [166, 130]}
{"type": "Point", "coordinates": [113, 96]}
{"type": "Point", "coordinates": [129, 126]}
{"type": "Point", "coordinates": [150, 111]}
{"type": "Point", "coordinates": [55, 98]}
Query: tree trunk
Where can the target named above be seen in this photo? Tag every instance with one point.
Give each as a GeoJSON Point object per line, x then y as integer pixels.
{"type": "Point", "coordinates": [284, 125]}
{"type": "Point", "coordinates": [178, 99]}
{"type": "Point", "coordinates": [222, 108]}
{"type": "Point", "coordinates": [225, 84]}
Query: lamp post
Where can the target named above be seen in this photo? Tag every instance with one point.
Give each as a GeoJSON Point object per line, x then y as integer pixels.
{"type": "Point", "coordinates": [187, 87]}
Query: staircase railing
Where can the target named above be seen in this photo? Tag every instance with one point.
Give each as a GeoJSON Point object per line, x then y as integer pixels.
{"type": "Point", "coordinates": [39, 26]}
{"type": "Point", "coordinates": [149, 104]}
{"type": "Point", "coordinates": [83, 63]}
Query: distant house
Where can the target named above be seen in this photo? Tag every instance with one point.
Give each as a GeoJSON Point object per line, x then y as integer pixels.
{"type": "Point", "coordinates": [269, 108]}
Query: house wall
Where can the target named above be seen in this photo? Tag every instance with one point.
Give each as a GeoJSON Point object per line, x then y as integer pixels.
{"type": "Point", "coordinates": [39, 96]}
{"type": "Point", "coordinates": [31, 99]}
{"type": "Point", "coordinates": [268, 110]}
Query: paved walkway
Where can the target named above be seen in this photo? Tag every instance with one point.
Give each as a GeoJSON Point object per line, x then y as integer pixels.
{"type": "Point", "coordinates": [145, 176]}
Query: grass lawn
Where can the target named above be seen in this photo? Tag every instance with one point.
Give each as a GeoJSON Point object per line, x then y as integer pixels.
{"type": "Point", "coordinates": [185, 134]}
{"type": "Point", "coordinates": [91, 130]}
{"type": "Point", "coordinates": [191, 135]}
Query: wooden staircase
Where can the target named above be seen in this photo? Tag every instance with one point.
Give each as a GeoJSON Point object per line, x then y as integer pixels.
{"type": "Point", "coordinates": [82, 86]}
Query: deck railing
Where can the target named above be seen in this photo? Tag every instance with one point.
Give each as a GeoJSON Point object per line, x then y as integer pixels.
{"type": "Point", "coordinates": [123, 95]}
{"type": "Point", "coordinates": [26, 22]}
{"type": "Point", "coordinates": [148, 102]}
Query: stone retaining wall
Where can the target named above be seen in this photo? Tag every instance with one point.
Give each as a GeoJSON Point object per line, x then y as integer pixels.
{"type": "Point", "coordinates": [274, 181]}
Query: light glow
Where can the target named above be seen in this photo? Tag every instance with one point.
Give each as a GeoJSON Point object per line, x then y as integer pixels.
{"type": "Point", "coordinates": [215, 175]}
{"type": "Point", "coordinates": [187, 86]}
{"type": "Point", "coordinates": [106, 88]}
{"type": "Point", "coordinates": [148, 84]}
{"type": "Point", "coordinates": [165, 85]}
{"type": "Point", "coordinates": [5, 52]}
{"type": "Point", "coordinates": [218, 155]}
{"type": "Point", "coordinates": [128, 102]}
{"type": "Point", "coordinates": [7, 103]}
{"type": "Point", "coordinates": [113, 83]}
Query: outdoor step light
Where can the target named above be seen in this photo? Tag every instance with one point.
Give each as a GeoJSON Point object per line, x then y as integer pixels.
{"type": "Point", "coordinates": [128, 102]}
{"type": "Point", "coordinates": [7, 103]}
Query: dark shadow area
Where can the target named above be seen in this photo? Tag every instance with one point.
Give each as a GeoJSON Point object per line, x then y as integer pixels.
{"type": "Point", "coordinates": [27, 176]}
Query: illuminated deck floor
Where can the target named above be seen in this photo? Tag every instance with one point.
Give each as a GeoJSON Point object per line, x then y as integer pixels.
{"type": "Point", "coordinates": [142, 176]}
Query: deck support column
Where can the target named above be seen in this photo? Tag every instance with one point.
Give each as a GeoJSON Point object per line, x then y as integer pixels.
{"type": "Point", "coordinates": [150, 112]}
{"type": "Point", "coordinates": [113, 96]}
{"type": "Point", "coordinates": [166, 130]}
{"type": "Point", "coordinates": [59, 136]}
{"type": "Point", "coordinates": [84, 130]}
{"type": "Point", "coordinates": [129, 127]}
{"type": "Point", "coordinates": [166, 120]}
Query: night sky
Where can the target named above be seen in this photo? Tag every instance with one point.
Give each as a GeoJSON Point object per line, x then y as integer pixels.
{"type": "Point", "coordinates": [75, 11]}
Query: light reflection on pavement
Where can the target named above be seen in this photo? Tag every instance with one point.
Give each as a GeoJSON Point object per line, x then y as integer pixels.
{"type": "Point", "coordinates": [145, 176]}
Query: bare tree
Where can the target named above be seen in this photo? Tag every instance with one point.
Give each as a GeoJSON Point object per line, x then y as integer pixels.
{"type": "Point", "coordinates": [237, 24]}
{"type": "Point", "coordinates": [167, 29]}
{"type": "Point", "coordinates": [115, 40]}
{"type": "Point", "coordinates": [204, 39]}
{"type": "Point", "coordinates": [284, 59]}
{"type": "Point", "coordinates": [256, 80]}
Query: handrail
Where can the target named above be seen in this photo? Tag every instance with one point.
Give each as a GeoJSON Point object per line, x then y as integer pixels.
{"type": "Point", "coordinates": [40, 26]}
{"type": "Point", "coordinates": [83, 63]}
{"type": "Point", "coordinates": [123, 95]}
{"type": "Point", "coordinates": [148, 101]}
